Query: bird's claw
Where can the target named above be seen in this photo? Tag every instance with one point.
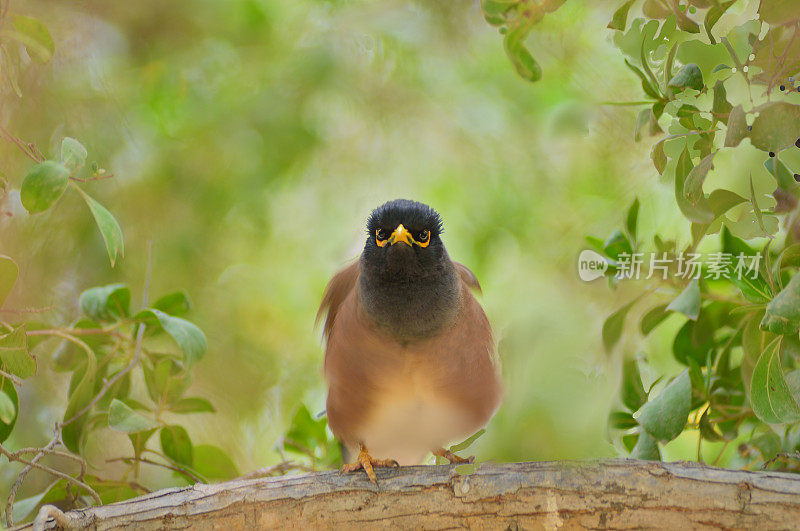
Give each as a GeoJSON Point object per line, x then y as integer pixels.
{"type": "Point", "coordinates": [368, 464]}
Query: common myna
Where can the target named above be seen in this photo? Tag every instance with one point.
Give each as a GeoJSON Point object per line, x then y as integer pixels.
{"type": "Point", "coordinates": [410, 361]}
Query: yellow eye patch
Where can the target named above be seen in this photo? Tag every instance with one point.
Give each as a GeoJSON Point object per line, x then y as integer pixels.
{"type": "Point", "coordinates": [401, 234]}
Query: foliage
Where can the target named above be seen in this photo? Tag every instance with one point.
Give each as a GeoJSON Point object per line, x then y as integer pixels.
{"type": "Point", "coordinates": [515, 20]}
{"type": "Point", "coordinates": [107, 353]}
{"type": "Point", "coordinates": [714, 92]}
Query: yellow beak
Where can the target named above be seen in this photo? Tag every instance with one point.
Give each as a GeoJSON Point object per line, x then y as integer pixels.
{"type": "Point", "coordinates": [400, 234]}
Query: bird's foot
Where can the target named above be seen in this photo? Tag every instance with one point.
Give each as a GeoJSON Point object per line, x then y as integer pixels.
{"type": "Point", "coordinates": [453, 458]}
{"type": "Point", "coordinates": [368, 463]}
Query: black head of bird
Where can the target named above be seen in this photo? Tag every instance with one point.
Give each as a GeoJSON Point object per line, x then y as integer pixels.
{"type": "Point", "coordinates": [408, 283]}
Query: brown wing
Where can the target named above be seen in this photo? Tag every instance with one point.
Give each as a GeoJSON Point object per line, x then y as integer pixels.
{"type": "Point", "coordinates": [336, 291]}
{"type": "Point", "coordinates": [469, 370]}
{"type": "Point", "coordinates": [467, 277]}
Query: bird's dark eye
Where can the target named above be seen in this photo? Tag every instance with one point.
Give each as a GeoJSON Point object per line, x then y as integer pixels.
{"type": "Point", "coordinates": [381, 235]}
{"type": "Point", "coordinates": [423, 236]}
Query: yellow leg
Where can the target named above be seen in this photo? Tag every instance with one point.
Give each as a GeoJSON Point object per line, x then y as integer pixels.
{"type": "Point", "coordinates": [367, 462]}
{"type": "Point", "coordinates": [453, 458]}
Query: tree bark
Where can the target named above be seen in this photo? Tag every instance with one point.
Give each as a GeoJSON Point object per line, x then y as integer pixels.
{"type": "Point", "coordinates": [605, 494]}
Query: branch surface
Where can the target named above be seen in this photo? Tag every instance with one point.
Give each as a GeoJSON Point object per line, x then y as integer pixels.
{"type": "Point", "coordinates": [607, 494]}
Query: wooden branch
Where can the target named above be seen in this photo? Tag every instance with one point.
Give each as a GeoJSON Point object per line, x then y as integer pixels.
{"type": "Point", "coordinates": [607, 494]}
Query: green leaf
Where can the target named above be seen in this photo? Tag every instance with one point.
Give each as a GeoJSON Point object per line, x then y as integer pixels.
{"type": "Point", "coordinates": [213, 463]}
{"type": "Point", "coordinates": [305, 431]}
{"type": "Point", "coordinates": [616, 244]}
{"type": "Point", "coordinates": [707, 430]}
{"type": "Point", "coordinates": [632, 218]}
{"type": "Point", "coordinates": [494, 11]}
{"type": "Point", "coordinates": [73, 154]}
{"type": "Point", "coordinates": [620, 18]}
{"type": "Point", "coordinates": [776, 57]}
{"type": "Point", "coordinates": [641, 122]}
{"type": "Point", "coordinates": [192, 405]}
{"type": "Point", "coordinates": [655, 9]}
{"type": "Point", "coordinates": [613, 325]}
{"type": "Point", "coordinates": [783, 312]}
{"type": "Point", "coordinates": [15, 355]}
{"type": "Point", "coordinates": [779, 12]}
{"type": "Point", "coordinates": [755, 290]}
{"type": "Point", "coordinates": [7, 389]}
{"type": "Point", "coordinates": [700, 212]}
{"type": "Point", "coordinates": [658, 157]}
{"type": "Point", "coordinates": [756, 208]}
{"type": "Point", "coordinates": [721, 200]}
{"type": "Point", "coordinates": [109, 228]}
{"type": "Point", "coordinates": [721, 107]}
{"type": "Point", "coordinates": [106, 303]}
{"type": "Point", "coordinates": [782, 174]}
{"type": "Point", "coordinates": [190, 339]}
{"type": "Point", "coordinates": [777, 126]}
{"type": "Point", "coordinates": [166, 381]}
{"type": "Point", "coordinates": [768, 445]}
{"type": "Point", "coordinates": [770, 397]}
{"type": "Point", "coordinates": [35, 36]}
{"type": "Point", "coordinates": [713, 15]}
{"type": "Point", "coordinates": [737, 127]}
{"type": "Point", "coordinates": [8, 276]}
{"type": "Point", "coordinates": [8, 409]}
{"type": "Point", "coordinates": [524, 63]}
{"type": "Point", "coordinates": [752, 345]}
{"type": "Point", "coordinates": [175, 304]}
{"type": "Point", "coordinates": [664, 417]}
{"type": "Point", "coordinates": [466, 443]}
{"type": "Point", "coordinates": [632, 391]}
{"type": "Point", "coordinates": [646, 448]}
{"type": "Point", "coordinates": [647, 85]}
{"type": "Point", "coordinates": [693, 185]}
{"type": "Point", "coordinates": [81, 393]}
{"type": "Point", "coordinates": [688, 302]}
{"type": "Point", "coordinates": [176, 444]}
{"type": "Point", "coordinates": [139, 440]}
{"type": "Point", "coordinates": [621, 420]}
{"type": "Point", "coordinates": [686, 24]}
{"type": "Point", "coordinates": [43, 185]}
{"type": "Point", "coordinates": [653, 318]}
{"type": "Point", "coordinates": [688, 76]}
{"type": "Point", "coordinates": [694, 340]}
{"type": "Point", "coordinates": [24, 508]}
{"type": "Point", "coordinates": [696, 376]}
{"type": "Point", "coordinates": [123, 418]}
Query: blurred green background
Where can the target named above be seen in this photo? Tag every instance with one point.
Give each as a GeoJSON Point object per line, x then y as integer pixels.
{"type": "Point", "coordinates": [250, 139]}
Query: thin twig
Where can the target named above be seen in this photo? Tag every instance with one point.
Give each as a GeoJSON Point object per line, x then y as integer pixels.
{"type": "Point", "coordinates": [33, 463]}
{"type": "Point", "coordinates": [47, 512]}
{"type": "Point", "coordinates": [21, 477]}
{"type": "Point", "coordinates": [277, 470]}
{"type": "Point", "coordinates": [722, 451]}
{"type": "Point", "coordinates": [55, 452]}
{"type": "Point", "coordinates": [22, 145]}
{"type": "Point", "coordinates": [95, 178]}
{"type": "Point", "coordinates": [174, 468]}
{"type": "Point", "coordinates": [16, 381]}
{"type": "Point", "coordinates": [782, 455]}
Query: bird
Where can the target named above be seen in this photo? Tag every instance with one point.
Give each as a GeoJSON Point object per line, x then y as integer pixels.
{"type": "Point", "coordinates": [410, 360]}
